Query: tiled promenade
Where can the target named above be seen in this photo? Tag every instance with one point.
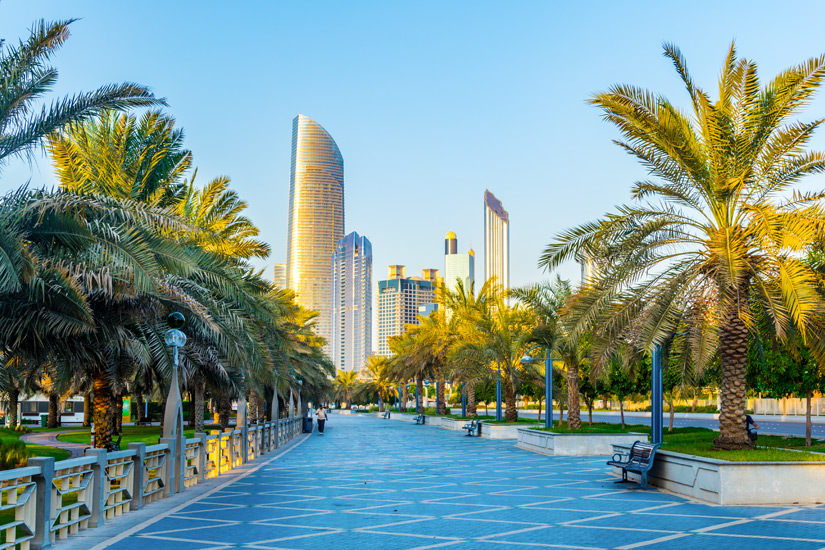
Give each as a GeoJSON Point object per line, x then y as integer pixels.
{"type": "Point", "coordinates": [376, 484]}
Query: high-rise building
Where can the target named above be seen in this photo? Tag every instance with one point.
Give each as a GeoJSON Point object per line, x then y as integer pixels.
{"type": "Point", "coordinates": [496, 241]}
{"type": "Point", "coordinates": [279, 275]}
{"type": "Point", "coordinates": [351, 302]}
{"type": "Point", "coordinates": [398, 300]}
{"type": "Point", "coordinates": [457, 266]}
{"type": "Point", "coordinates": [316, 219]}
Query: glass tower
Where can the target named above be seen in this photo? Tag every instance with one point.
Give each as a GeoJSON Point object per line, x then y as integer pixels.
{"type": "Point", "coordinates": [352, 302]}
{"type": "Point", "coordinates": [399, 298]}
{"type": "Point", "coordinates": [316, 219]}
{"type": "Point", "coordinates": [496, 241]}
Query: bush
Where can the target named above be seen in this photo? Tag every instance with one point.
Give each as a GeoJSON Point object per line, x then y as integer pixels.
{"type": "Point", "coordinates": [13, 454]}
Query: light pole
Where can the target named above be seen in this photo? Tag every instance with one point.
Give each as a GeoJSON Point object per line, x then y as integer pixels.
{"type": "Point", "coordinates": [463, 400]}
{"type": "Point", "coordinates": [656, 395]}
{"type": "Point", "coordinates": [498, 394]}
{"type": "Point", "coordinates": [173, 415]}
{"type": "Point", "coordinates": [548, 383]}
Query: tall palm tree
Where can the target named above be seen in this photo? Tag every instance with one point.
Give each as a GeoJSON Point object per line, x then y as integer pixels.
{"type": "Point", "coordinates": [344, 384]}
{"type": "Point", "coordinates": [377, 380]}
{"type": "Point", "coordinates": [719, 224]}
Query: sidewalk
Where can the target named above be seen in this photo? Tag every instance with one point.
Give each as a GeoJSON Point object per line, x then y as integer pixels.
{"type": "Point", "coordinates": [50, 439]}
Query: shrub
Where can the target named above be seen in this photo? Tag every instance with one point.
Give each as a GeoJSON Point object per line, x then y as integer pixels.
{"type": "Point", "coordinates": [13, 454]}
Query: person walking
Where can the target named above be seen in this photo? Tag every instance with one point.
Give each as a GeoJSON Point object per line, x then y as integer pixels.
{"type": "Point", "coordinates": [321, 413]}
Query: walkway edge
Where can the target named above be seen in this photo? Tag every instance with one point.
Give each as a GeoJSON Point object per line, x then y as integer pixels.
{"type": "Point", "coordinates": [134, 529]}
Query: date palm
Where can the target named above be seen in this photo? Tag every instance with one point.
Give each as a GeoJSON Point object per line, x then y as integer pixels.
{"type": "Point", "coordinates": [720, 223]}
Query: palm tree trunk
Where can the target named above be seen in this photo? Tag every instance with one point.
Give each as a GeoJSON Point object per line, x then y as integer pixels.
{"type": "Point", "coordinates": [733, 345]}
{"type": "Point", "coordinates": [197, 396]}
{"type": "Point", "coordinates": [419, 384]}
{"type": "Point", "coordinates": [670, 420]}
{"type": "Point", "coordinates": [405, 395]}
{"type": "Point", "coordinates": [139, 406]}
{"type": "Point", "coordinates": [54, 401]}
{"type": "Point", "coordinates": [118, 414]}
{"type": "Point", "coordinates": [807, 419]}
{"type": "Point", "coordinates": [621, 411]}
{"type": "Point", "coordinates": [511, 407]}
{"type": "Point", "coordinates": [539, 419]}
{"type": "Point", "coordinates": [102, 411]}
{"type": "Point", "coordinates": [590, 413]}
{"type": "Point", "coordinates": [574, 421]}
{"type": "Point", "coordinates": [440, 403]}
{"type": "Point", "coordinates": [11, 413]}
{"type": "Point", "coordinates": [224, 407]}
{"type": "Point", "coordinates": [470, 388]}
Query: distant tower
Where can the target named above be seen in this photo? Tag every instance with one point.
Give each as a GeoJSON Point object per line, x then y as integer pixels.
{"type": "Point", "coordinates": [316, 219]}
{"type": "Point", "coordinates": [457, 266]}
{"type": "Point", "coordinates": [352, 302]}
{"type": "Point", "coordinates": [496, 241]}
{"type": "Point", "coordinates": [279, 275]}
{"type": "Point", "coordinates": [399, 299]}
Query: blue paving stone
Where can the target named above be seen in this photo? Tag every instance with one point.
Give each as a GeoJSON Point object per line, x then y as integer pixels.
{"type": "Point", "coordinates": [354, 490]}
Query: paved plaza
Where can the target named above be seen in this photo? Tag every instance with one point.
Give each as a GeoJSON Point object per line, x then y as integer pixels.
{"type": "Point", "coordinates": [370, 483]}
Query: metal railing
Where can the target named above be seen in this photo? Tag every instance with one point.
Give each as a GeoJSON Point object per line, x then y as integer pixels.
{"type": "Point", "coordinates": [53, 500]}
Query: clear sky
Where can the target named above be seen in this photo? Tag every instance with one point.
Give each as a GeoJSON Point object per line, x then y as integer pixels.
{"type": "Point", "coordinates": [430, 102]}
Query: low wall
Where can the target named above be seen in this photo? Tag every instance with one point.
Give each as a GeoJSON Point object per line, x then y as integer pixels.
{"type": "Point", "coordinates": [499, 431]}
{"type": "Point", "coordinates": [735, 483]}
{"type": "Point", "coordinates": [574, 444]}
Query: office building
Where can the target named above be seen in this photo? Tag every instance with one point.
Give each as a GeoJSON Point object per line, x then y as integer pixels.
{"type": "Point", "coordinates": [457, 266]}
{"type": "Point", "coordinates": [496, 241]}
{"type": "Point", "coordinates": [351, 302]}
{"type": "Point", "coordinates": [279, 275]}
{"type": "Point", "coordinates": [399, 298]}
{"type": "Point", "coordinates": [316, 219]}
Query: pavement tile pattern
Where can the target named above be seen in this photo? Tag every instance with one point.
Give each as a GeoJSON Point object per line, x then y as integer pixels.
{"type": "Point", "coordinates": [374, 484]}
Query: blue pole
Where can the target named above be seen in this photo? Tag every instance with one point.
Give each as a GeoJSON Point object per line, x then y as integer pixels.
{"type": "Point", "coordinates": [417, 400]}
{"type": "Point", "coordinates": [498, 394]}
{"type": "Point", "coordinates": [146, 407]}
{"type": "Point", "coordinates": [656, 396]}
{"type": "Point", "coordinates": [400, 394]}
{"type": "Point", "coordinates": [548, 390]}
{"type": "Point", "coordinates": [437, 393]}
{"type": "Point", "coordinates": [463, 400]}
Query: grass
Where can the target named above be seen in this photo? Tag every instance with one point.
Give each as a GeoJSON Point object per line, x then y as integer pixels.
{"type": "Point", "coordinates": [699, 442]}
{"type": "Point", "coordinates": [131, 434]}
{"type": "Point", "coordinates": [35, 450]}
{"type": "Point", "coordinates": [490, 419]}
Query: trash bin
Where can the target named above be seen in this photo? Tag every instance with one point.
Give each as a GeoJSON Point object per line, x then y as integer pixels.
{"type": "Point", "coordinates": [44, 420]}
{"type": "Point", "coordinates": [307, 425]}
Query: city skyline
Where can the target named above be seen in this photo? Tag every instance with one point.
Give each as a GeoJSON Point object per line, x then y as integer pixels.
{"type": "Point", "coordinates": [399, 298]}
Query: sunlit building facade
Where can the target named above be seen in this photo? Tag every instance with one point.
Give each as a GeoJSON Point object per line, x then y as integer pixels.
{"type": "Point", "coordinates": [352, 302]}
{"type": "Point", "coordinates": [496, 241]}
{"type": "Point", "coordinates": [399, 299]}
{"type": "Point", "coordinates": [279, 275]}
{"type": "Point", "coordinates": [316, 219]}
{"type": "Point", "coordinates": [457, 266]}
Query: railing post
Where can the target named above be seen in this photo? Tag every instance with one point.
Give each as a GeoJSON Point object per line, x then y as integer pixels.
{"type": "Point", "coordinates": [43, 495]}
{"type": "Point", "coordinates": [170, 480]}
{"type": "Point", "coordinates": [202, 457]}
{"type": "Point", "coordinates": [231, 448]}
{"type": "Point", "coordinates": [99, 490]}
{"type": "Point", "coordinates": [140, 472]}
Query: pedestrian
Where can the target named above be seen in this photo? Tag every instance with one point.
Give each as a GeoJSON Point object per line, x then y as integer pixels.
{"type": "Point", "coordinates": [748, 423]}
{"type": "Point", "coordinates": [321, 413]}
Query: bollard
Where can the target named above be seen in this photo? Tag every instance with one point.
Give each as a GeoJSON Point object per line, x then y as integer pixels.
{"type": "Point", "coordinates": [43, 495]}
{"type": "Point", "coordinates": [140, 472]}
{"type": "Point", "coordinates": [99, 491]}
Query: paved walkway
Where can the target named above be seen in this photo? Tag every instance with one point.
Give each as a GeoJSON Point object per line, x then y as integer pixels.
{"type": "Point", "coordinates": [50, 439]}
{"type": "Point", "coordinates": [376, 484]}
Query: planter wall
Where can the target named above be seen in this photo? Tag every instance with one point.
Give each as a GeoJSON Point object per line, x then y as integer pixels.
{"type": "Point", "coordinates": [736, 483]}
{"type": "Point", "coordinates": [559, 444]}
{"type": "Point", "coordinates": [499, 431]}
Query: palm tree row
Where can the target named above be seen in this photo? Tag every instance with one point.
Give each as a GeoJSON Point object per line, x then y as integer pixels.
{"type": "Point", "coordinates": [89, 271]}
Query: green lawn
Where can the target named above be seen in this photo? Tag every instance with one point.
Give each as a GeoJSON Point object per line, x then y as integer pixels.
{"type": "Point", "coordinates": [34, 450]}
{"type": "Point", "coordinates": [490, 419]}
{"type": "Point", "coordinates": [131, 434]}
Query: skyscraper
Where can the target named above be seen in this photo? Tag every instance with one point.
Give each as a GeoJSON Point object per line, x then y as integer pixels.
{"type": "Point", "coordinates": [398, 301]}
{"type": "Point", "coordinates": [351, 302]}
{"type": "Point", "coordinates": [316, 219]}
{"type": "Point", "coordinates": [496, 241]}
{"type": "Point", "coordinates": [457, 266]}
{"type": "Point", "coordinates": [279, 275]}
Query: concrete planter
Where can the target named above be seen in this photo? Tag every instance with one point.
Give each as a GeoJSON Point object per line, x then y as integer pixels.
{"type": "Point", "coordinates": [499, 431]}
{"type": "Point", "coordinates": [736, 483]}
{"type": "Point", "coordinates": [452, 424]}
{"type": "Point", "coordinates": [574, 444]}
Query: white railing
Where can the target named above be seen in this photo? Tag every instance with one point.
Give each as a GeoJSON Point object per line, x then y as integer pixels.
{"type": "Point", "coordinates": [17, 491]}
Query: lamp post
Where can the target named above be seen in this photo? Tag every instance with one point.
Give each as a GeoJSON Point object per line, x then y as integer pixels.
{"type": "Point", "coordinates": [173, 415]}
{"type": "Point", "coordinates": [548, 383]}
{"type": "Point", "coordinates": [656, 395]}
{"type": "Point", "coordinates": [463, 400]}
{"type": "Point", "coordinates": [498, 394]}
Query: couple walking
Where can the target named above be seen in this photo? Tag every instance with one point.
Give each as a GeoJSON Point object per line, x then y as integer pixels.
{"type": "Point", "coordinates": [321, 415]}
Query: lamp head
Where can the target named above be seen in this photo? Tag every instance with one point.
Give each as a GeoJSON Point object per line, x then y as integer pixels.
{"type": "Point", "coordinates": [526, 359]}
{"type": "Point", "coordinates": [175, 320]}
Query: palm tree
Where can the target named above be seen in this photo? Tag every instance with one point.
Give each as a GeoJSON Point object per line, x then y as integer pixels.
{"type": "Point", "coordinates": [25, 77]}
{"type": "Point", "coordinates": [719, 225]}
{"type": "Point", "coordinates": [376, 378]}
{"type": "Point", "coordinates": [344, 384]}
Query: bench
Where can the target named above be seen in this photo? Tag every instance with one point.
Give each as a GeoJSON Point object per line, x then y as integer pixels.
{"type": "Point", "coordinates": [638, 460]}
{"type": "Point", "coordinates": [144, 421]}
{"type": "Point", "coordinates": [420, 419]}
{"type": "Point", "coordinates": [386, 415]}
{"type": "Point", "coordinates": [474, 426]}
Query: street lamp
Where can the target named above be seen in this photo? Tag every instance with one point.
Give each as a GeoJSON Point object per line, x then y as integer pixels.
{"type": "Point", "coordinates": [173, 415]}
{"type": "Point", "coordinates": [548, 383]}
{"type": "Point", "coordinates": [498, 394]}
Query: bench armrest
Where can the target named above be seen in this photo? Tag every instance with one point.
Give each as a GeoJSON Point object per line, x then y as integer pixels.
{"type": "Point", "coordinates": [620, 457]}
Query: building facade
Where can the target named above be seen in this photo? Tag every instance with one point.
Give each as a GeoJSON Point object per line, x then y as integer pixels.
{"type": "Point", "coordinates": [351, 302]}
{"type": "Point", "coordinates": [279, 275]}
{"type": "Point", "coordinates": [316, 219]}
{"type": "Point", "coordinates": [399, 298]}
{"type": "Point", "coordinates": [496, 241]}
{"type": "Point", "coordinates": [457, 266]}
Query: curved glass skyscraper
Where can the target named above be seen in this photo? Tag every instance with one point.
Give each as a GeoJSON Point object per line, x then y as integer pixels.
{"type": "Point", "coordinates": [316, 218]}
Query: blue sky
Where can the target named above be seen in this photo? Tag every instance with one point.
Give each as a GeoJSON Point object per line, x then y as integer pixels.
{"type": "Point", "coordinates": [430, 102]}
